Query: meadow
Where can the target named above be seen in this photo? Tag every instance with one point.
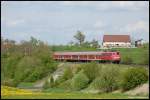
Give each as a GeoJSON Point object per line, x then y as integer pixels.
{"type": "Point", "coordinates": [14, 93]}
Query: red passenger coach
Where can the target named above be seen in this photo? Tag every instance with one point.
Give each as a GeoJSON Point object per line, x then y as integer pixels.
{"type": "Point", "coordinates": [87, 56]}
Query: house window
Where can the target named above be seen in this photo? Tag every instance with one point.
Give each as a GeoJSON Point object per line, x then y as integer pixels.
{"type": "Point", "coordinates": [117, 44]}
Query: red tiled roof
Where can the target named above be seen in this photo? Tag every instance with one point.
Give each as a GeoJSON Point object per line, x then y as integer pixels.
{"type": "Point", "coordinates": [116, 38]}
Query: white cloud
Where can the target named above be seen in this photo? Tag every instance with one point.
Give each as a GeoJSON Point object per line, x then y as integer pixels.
{"type": "Point", "coordinates": [13, 23]}
{"type": "Point", "coordinates": [108, 5]}
{"type": "Point", "coordinates": [99, 24]}
{"type": "Point", "coordinates": [76, 3]}
{"type": "Point", "coordinates": [139, 26]}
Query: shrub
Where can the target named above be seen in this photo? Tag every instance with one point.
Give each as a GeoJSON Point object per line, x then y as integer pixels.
{"type": "Point", "coordinates": [91, 70]}
{"type": "Point", "coordinates": [46, 84]}
{"type": "Point", "coordinates": [65, 85]}
{"type": "Point", "coordinates": [78, 69]}
{"type": "Point", "coordinates": [108, 79]}
{"type": "Point", "coordinates": [35, 75]}
{"type": "Point", "coordinates": [8, 82]}
{"type": "Point", "coordinates": [79, 81]}
{"type": "Point", "coordinates": [52, 84]}
{"type": "Point", "coordinates": [133, 77]}
{"type": "Point", "coordinates": [67, 73]}
{"type": "Point", "coordinates": [25, 67]}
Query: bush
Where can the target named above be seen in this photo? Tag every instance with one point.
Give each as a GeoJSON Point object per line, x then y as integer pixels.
{"type": "Point", "coordinates": [35, 75]}
{"type": "Point", "coordinates": [127, 59]}
{"type": "Point", "coordinates": [79, 81]}
{"type": "Point", "coordinates": [108, 79]}
{"type": "Point", "coordinates": [67, 73]}
{"type": "Point", "coordinates": [78, 69]}
{"type": "Point", "coordinates": [133, 77]}
{"type": "Point", "coordinates": [91, 70]}
{"type": "Point", "coordinates": [52, 84]}
{"type": "Point", "coordinates": [65, 85]}
{"type": "Point", "coordinates": [27, 62]}
{"type": "Point", "coordinates": [46, 85]}
{"type": "Point", "coordinates": [25, 68]}
{"type": "Point", "coordinates": [8, 82]}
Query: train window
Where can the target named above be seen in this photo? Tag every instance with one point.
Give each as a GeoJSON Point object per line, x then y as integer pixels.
{"type": "Point", "coordinates": [98, 56]}
{"type": "Point", "coordinates": [74, 56]}
{"type": "Point", "coordinates": [117, 53]}
{"type": "Point", "coordinates": [91, 56]}
{"type": "Point", "coordinates": [106, 54]}
{"type": "Point", "coordinates": [82, 56]}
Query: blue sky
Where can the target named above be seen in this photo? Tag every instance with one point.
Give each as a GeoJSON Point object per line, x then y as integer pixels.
{"type": "Point", "coordinates": [56, 22]}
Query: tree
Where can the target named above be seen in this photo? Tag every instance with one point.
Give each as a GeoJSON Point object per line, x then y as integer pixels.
{"type": "Point", "coordinates": [132, 40]}
{"type": "Point", "coordinates": [80, 37]}
{"type": "Point", "coordinates": [71, 43]}
{"type": "Point", "coordinates": [94, 43]}
{"type": "Point", "coordinates": [86, 44]}
{"type": "Point", "coordinates": [33, 41]}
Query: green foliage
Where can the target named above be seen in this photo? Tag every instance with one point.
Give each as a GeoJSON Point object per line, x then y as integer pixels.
{"type": "Point", "coordinates": [52, 84]}
{"type": "Point", "coordinates": [134, 55]}
{"type": "Point", "coordinates": [79, 68]}
{"type": "Point", "coordinates": [46, 85]}
{"type": "Point", "coordinates": [86, 47]}
{"type": "Point", "coordinates": [8, 82]}
{"type": "Point", "coordinates": [146, 45]}
{"type": "Point", "coordinates": [94, 43]}
{"type": "Point", "coordinates": [80, 37]}
{"type": "Point", "coordinates": [145, 58]}
{"type": "Point", "coordinates": [107, 81]}
{"type": "Point", "coordinates": [26, 62]}
{"type": "Point", "coordinates": [25, 67]}
{"type": "Point", "coordinates": [133, 77]}
{"type": "Point", "coordinates": [65, 85]}
{"type": "Point", "coordinates": [67, 73]}
{"type": "Point", "coordinates": [26, 85]}
{"type": "Point", "coordinates": [91, 70]}
{"type": "Point", "coordinates": [79, 81]}
{"type": "Point", "coordinates": [49, 83]}
{"type": "Point", "coordinates": [127, 59]}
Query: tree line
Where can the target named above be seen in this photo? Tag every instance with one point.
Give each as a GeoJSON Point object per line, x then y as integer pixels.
{"type": "Point", "coordinates": [80, 38]}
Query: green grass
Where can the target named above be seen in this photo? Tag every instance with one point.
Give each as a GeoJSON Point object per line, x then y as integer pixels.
{"type": "Point", "coordinates": [56, 93]}
{"type": "Point", "coordinates": [73, 96]}
{"type": "Point", "coordinates": [55, 90]}
{"type": "Point", "coordinates": [26, 84]}
{"type": "Point", "coordinates": [135, 53]}
{"type": "Point", "coordinates": [71, 48]}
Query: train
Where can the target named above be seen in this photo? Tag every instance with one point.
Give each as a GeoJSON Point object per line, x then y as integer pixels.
{"type": "Point", "coordinates": [98, 56]}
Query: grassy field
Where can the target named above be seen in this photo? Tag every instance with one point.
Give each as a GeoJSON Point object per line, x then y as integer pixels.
{"type": "Point", "coordinates": [134, 53]}
{"type": "Point", "coordinates": [14, 93]}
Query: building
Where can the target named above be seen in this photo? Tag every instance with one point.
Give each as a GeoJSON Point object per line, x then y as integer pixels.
{"type": "Point", "coordinates": [116, 41]}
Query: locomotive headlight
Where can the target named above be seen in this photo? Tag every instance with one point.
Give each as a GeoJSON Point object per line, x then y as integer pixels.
{"type": "Point", "coordinates": [116, 57]}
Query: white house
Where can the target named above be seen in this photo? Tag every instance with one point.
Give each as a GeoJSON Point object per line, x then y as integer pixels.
{"type": "Point", "coordinates": [116, 41]}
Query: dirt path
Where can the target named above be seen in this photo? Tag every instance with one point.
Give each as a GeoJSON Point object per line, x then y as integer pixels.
{"type": "Point", "coordinates": [39, 84]}
{"type": "Point", "coordinates": [140, 90]}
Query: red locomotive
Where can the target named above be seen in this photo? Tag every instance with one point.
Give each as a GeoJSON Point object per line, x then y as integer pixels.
{"type": "Point", "coordinates": [87, 56]}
